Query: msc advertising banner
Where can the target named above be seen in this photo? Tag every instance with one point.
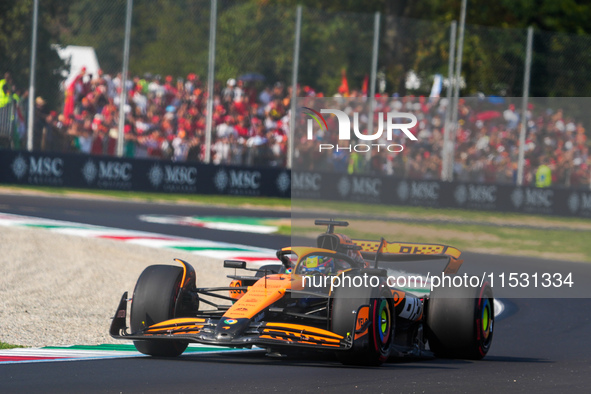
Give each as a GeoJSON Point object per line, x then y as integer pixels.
{"type": "Point", "coordinates": [392, 191]}
{"type": "Point", "coordinates": [110, 173]}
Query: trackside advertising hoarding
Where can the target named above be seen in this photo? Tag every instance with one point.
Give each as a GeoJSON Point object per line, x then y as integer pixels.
{"type": "Point", "coordinates": [109, 173]}
{"type": "Point", "coordinates": [392, 191]}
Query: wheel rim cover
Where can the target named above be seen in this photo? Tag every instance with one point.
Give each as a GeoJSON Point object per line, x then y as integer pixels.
{"type": "Point", "coordinates": [486, 319]}
{"type": "Point", "coordinates": [384, 323]}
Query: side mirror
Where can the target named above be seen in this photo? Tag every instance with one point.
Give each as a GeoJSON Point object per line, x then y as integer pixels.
{"type": "Point", "coordinates": [235, 264]}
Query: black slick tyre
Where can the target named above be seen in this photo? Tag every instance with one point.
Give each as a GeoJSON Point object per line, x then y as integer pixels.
{"type": "Point", "coordinates": [371, 346]}
{"type": "Point", "coordinates": [154, 300]}
{"type": "Point", "coordinates": [460, 322]}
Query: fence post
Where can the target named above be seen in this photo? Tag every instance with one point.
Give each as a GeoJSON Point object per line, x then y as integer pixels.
{"type": "Point", "coordinates": [374, 70]}
{"type": "Point", "coordinates": [294, 86]}
{"type": "Point", "coordinates": [446, 159]}
{"type": "Point", "coordinates": [456, 98]}
{"type": "Point", "coordinates": [210, 80]}
{"type": "Point", "coordinates": [123, 94]}
{"type": "Point", "coordinates": [521, 160]}
{"type": "Point", "coordinates": [31, 114]}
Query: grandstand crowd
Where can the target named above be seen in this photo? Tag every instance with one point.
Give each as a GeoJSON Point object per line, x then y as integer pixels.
{"type": "Point", "coordinates": [166, 118]}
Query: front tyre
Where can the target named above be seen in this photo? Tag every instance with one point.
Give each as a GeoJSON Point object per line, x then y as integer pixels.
{"type": "Point", "coordinates": [372, 344]}
{"type": "Point", "coordinates": [154, 300]}
{"type": "Point", "coordinates": [460, 322]}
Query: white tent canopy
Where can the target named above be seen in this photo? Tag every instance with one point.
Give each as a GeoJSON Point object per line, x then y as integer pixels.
{"type": "Point", "coordinates": [77, 57]}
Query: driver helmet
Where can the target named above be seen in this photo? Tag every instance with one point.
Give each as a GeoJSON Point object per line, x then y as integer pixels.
{"type": "Point", "coordinates": [322, 264]}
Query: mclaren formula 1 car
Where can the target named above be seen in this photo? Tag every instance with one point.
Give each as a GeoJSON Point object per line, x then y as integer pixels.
{"type": "Point", "coordinates": [298, 304]}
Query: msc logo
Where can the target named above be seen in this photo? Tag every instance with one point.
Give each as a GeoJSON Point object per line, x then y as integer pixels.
{"type": "Point", "coordinates": [237, 179]}
{"type": "Point", "coordinates": [306, 181]}
{"type": "Point", "coordinates": [359, 186]}
{"type": "Point", "coordinates": [534, 198]}
{"type": "Point", "coordinates": [46, 166]}
{"type": "Point", "coordinates": [181, 174]}
{"type": "Point", "coordinates": [345, 129]}
{"type": "Point", "coordinates": [418, 191]}
{"type": "Point", "coordinates": [107, 170]}
{"type": "Point", "coordinates": [283, 182]}
{"type": "Point", "coordinates": [479, 194]}
{"type": "Point", "coordinates": [173, 175]}
{"type": "Point", "coordinates": [38, 166]}
{"type": "Point", "coordinates": [115, 171]}
{"type": "Point", "coordinates": [578, 202]}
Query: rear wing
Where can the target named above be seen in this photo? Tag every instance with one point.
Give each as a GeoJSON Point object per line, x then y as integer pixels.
{"type": "Point", "coordinates": [406, 251]}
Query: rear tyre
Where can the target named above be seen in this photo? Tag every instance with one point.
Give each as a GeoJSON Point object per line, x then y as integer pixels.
{"type": "Point", "coordinates": [373, 344]}
{"type": "Point", "coordinates": [460, 322]}
{"type": "Point", "coordinates": [154, 300]}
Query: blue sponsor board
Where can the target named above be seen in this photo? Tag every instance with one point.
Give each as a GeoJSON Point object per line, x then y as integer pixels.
{"type": "Point", "coordinates": [433, 193]}
{"type": "Point", "coordinates": [111, 173]}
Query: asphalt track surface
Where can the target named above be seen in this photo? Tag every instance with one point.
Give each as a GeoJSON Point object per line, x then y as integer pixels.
{"type": "Point", "coordinates": [540, 345]}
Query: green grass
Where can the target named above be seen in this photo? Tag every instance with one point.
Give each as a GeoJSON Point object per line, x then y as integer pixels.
{"type": "Point", "coordinates": [332, 208]}
{"type": "Point", "coordinates": [553, 244]}
{"type": "Point", "coordinates": [284, 230]}
{"type": "Point", "coordinates": [4, 345]}
{"type": "Point", "coordinates": [479, 231]}
{"type": "Point", "coordinates": [234, 201]}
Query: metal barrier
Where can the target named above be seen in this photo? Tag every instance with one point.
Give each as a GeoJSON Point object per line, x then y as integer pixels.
{"type": "Point", "coordinates": [7, 124]}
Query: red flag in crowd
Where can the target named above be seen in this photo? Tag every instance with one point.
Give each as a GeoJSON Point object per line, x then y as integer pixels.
{"type": "Point", "coordinates": [71, 93]}
{"type": "Point", "coordinates": [365, 84]}
{"type": "Point", "coordinates": [69, 103]}
{"type": "Point", "coordinates": [344, 88]}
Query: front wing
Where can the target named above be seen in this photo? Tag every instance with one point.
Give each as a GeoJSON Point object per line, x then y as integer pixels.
{"type": "Point", "coordinates": [203, 330]}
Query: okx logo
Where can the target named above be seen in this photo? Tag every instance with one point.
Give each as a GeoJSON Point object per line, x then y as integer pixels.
{"type": "Point", "coordinates": [391, 120]}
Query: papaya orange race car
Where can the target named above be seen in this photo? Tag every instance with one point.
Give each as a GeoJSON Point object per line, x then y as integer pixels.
{"type": "Point", "coordinates": [335, 297]}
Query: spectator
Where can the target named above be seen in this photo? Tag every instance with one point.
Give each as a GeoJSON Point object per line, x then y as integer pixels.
{"type": "Point", "coordinates": [6, 90]}
{"type": "Point", "coordinates": [228, 93]}
{"type": "Point", "coordinates": [40, 124]}
{"type": "Point", "coordinates": [166, 118]}
{"type": "Point", "coordinates": [544, 174]}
